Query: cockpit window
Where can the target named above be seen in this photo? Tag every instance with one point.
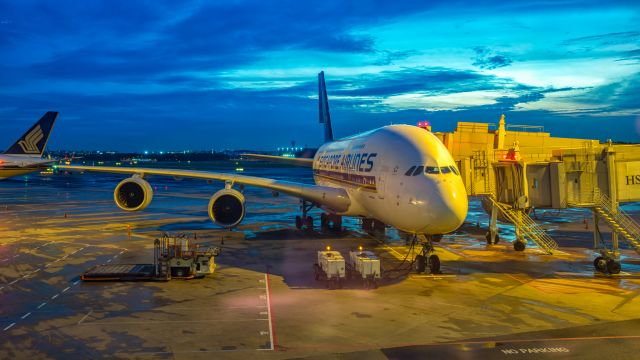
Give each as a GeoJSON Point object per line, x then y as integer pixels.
{"type": "Point", "coordinates": [455, 171]}
{"type": "Point", "coordinates": [418, 170]}
{"type": "Point", "coordinates": [431, 170]}
{"type": "Point", "coordinates": [410, 171]}
{"type": "Point", "coordinates": [445, 169]}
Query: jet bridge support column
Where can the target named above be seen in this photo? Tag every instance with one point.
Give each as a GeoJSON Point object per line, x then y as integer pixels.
{"type": "Point", "coordinates": [609, 260]}
{"type": "Point", "coordinates": [613, 194]}
{"type": "Point", "coordinates": [492, 236]}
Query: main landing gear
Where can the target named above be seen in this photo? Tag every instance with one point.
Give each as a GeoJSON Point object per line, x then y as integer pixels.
{"type": "Point", "coordinates": [427, 260]}
{"type": "Point", "coordinates": [330, 222]}
{"type": "Point", "coordinates": [373, 225]}
{"type": "Point", "coordinates": [305, 221]}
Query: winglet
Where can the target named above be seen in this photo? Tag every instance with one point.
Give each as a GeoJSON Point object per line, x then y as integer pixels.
{"type": "Point", "coordinates": [35, 139]}
{"type": "Point", "coordinates": [325, 117]}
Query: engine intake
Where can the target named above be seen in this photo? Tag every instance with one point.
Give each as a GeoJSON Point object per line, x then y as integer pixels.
{"type": "Point", "coordinates": [226, 208]}
{"type": "Point", "coordinates": [133, 194]}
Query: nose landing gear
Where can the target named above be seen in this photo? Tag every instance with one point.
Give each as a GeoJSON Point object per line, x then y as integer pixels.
{"type": "Point", "coordinates": [427, 261]}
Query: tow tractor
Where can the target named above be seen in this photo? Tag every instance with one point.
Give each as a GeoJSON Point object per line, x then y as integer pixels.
{"type": "Point", "coordinates": [330, 268]}
{"type": "Point", "coordinates": [364, 265]}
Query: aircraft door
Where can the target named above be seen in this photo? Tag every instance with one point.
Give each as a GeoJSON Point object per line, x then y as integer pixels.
{"type": "Point", "coordinates": [381, 181]}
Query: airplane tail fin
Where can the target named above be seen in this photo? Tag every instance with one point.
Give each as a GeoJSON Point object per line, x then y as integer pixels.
{"type": "Point", "coordinates": [325, 117]}
{"type": "Point", "coordinates": [35, 139]}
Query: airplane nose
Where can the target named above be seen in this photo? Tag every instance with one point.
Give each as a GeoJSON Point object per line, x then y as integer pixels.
{"type": "Point", "coordinates": [455, 205]}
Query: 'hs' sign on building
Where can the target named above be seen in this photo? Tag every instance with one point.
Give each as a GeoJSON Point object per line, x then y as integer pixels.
{"type": "Point", "coordinates": [633, 179]}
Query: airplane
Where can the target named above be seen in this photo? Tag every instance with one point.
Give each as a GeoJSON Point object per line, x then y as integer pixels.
{"type": "Point", "coordinates": [25, 155]}
{"type": "Point", "coordinates": [399, 175]}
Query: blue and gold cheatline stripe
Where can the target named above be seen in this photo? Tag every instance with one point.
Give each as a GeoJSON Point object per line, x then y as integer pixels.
{"type": "Point", "coordinates": [361, 181]}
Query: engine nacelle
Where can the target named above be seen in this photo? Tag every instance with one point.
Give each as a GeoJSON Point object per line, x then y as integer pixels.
{"type": "Point", "coordinates": [133, 194]}
{"type": "Point", "coordinates": [226, 208]}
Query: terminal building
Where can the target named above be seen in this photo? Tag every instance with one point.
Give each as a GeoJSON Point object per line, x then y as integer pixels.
{"type": "Point", "coordinates": [516, 168]}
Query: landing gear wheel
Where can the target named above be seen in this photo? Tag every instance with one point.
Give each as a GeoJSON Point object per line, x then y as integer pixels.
{"type": "Point", "coordinates": [434, 264]}
{"type": "Point", "coordinates": [613, 267]}
{"type": "Point", "coordinates": [519, 245]}
{"type": "Point", "coordinates": [298, 222]}
{"type": "Point", "coordinates": [324, 223]}
{"type": "Point", "coordinates": [495, 240]}
{"type": "Point", "coordinates": [420, 263]}
{"type": "Point", "coordinates": [309, 223]}
{"type": "Point", "coordinates": [600, 263]}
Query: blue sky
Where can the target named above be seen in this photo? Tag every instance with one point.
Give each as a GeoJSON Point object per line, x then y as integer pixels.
{"type": "Point", "coordinates": [173, 75]}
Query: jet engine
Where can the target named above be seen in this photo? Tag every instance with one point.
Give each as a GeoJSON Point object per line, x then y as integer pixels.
{"type": "Point", "coordinates": [133, 194]}
{"type": "Point", "coordinates": [226, 208]}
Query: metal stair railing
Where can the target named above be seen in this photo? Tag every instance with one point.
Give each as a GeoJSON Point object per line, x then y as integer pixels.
{"type": "Point", "coordinates": [528, 227]}
{"type": "Point", "coordinates": [619, 220]}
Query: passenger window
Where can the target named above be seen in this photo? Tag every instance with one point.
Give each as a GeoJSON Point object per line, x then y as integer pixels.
{"type": "Point", "coordinates": [455, 171]}
{"type": "Point", "coordinates": [410, 171]}
{"type": "Point", "coordinates": [431, 170]}
{"type": "Point", "coordinates": [445, 170]}
{"type": "Point", "coordinates": [418, 170]}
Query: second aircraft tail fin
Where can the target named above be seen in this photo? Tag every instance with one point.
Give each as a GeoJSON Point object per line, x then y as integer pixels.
{"type": "Point", "coordinates": [35, 139]}
{"type": "Point", "coordinates": [323, 101]}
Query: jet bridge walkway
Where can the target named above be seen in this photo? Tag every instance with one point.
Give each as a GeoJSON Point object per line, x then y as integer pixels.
{"type": "Point", "coordinates": [527, 227]}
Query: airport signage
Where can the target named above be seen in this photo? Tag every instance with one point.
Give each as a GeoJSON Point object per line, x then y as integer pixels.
{"type": "Point", "coordinates": [633, 179]}
{"type": "Point", "coordinates": [628, 176]}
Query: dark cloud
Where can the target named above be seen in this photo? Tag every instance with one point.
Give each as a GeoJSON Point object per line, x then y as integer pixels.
{"type": "Point", "coordinates": [487, 59]}
{"type": "Point", "coordinates": [121, 40]}
{"type": "Point", "coordinates": [616, 38]}
{"type": "Point", "coordinates": [389, 57]}
{"type": "Point", "coordinates": [125, 74]}
{"type": "Point", "coordinates": [631, 55]}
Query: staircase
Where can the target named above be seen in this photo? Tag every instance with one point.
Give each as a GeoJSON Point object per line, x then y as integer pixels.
{"type": "Point", "coordinates": [618, 220]}
{"type": "Point", "coordinates": [527, 226]}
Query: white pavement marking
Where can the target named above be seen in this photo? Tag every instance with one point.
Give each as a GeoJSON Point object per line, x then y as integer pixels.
{"type": "Point", "coordinates": [9, 327]}
{"type": "Point", "coordinates": [67, 288]}
{"type": "Point", "coordinates": [26, 315]}
{"type": "Point", "coordinates": [76, 283]}
{"type": "Point", "coordinates": [13, 282]}
{"type": "Point", "coordinates": [85, 317]}
{"type": "Point", "coordinates": [54, 296]}
{"type": "Point", "coordinates": [268, 297]}
{"type": "Point", "coordinates": [41, 305]}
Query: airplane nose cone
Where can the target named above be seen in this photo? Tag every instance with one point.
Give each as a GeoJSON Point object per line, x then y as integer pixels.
{"type": "Point", "coordinates": [455, 205]}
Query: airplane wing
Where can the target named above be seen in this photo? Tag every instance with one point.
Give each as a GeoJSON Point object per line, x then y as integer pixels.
{"type": "Point", "coordinates": [306, 162]}
{"type": "Point", "coordinates": [323, 196]}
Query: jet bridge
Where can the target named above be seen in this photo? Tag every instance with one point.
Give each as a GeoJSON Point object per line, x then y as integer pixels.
{"type": "Point", "coordinates": [517, 168]}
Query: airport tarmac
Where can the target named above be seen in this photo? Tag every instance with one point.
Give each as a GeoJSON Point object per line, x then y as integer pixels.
{"type": "Point", "coordinates": [262, 301]}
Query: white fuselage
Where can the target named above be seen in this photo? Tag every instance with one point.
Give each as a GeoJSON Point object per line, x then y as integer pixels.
{"type": "Point", "coordinates": [16, 165]}
{"type": "Point", "coordinates": [372, 167]}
